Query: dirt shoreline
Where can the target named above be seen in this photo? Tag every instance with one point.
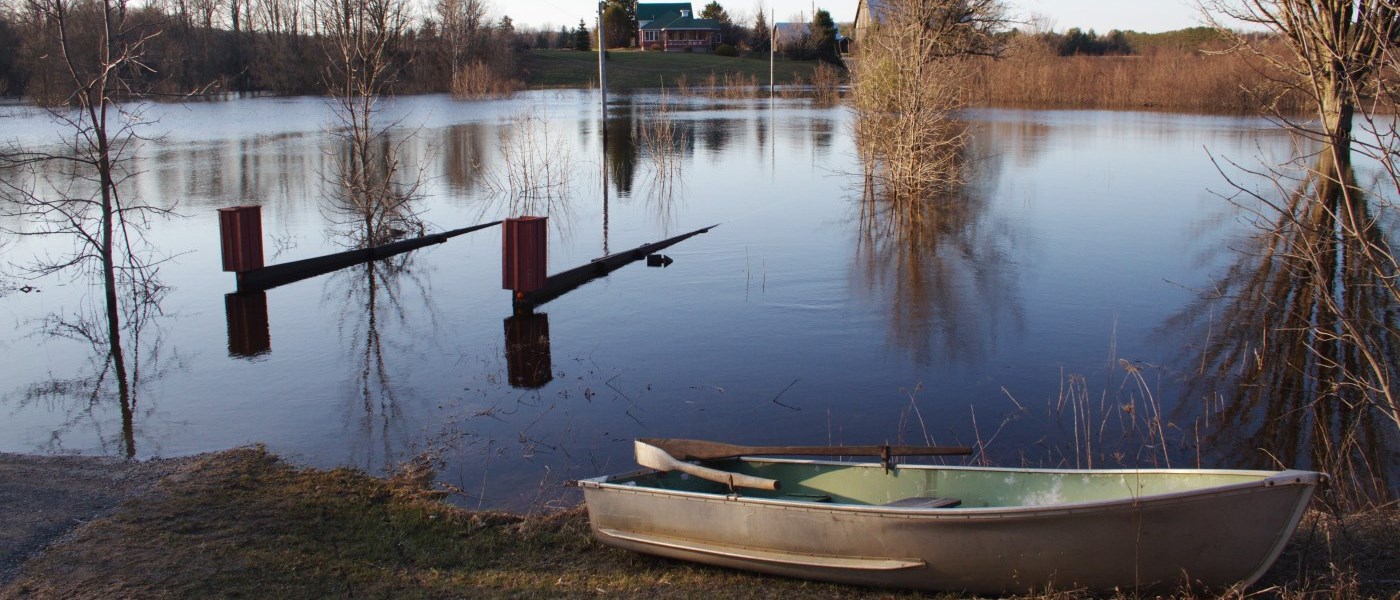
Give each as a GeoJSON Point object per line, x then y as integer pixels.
{"type": "Point", "coordinates": [43, 498]}
{"type": "Point", "coordinates": [244, 523]}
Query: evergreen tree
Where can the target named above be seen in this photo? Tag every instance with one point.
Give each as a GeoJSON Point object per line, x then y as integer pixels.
{"type": "Point", "coordinates": [762, 35]}
{"type": "Point", "coordinates": [582, 41]}
{"type": "Point", "coordinates": [615, 23]}
{"type": "Point", "coordinates": [713, 10]}
{"type": "Point", "coordinates": [823, 38]}
{"type": "Point", "coordinates": [727, 31]}
{"type": "Point", "coordinates": [622, 27]}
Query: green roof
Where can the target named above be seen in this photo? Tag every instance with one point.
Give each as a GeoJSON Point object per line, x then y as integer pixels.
{"type": "Point", "coordinates": [650, 12]}
{"type": "Point", "coordinates": [676, 21]}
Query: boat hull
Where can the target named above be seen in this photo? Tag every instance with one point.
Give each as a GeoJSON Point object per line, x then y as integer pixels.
{"type": "Point", "coordinates": [1212, 538]}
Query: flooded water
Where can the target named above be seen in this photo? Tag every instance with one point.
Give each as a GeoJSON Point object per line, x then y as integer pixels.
{"type": "Point", "coordinates": [1050, 313]}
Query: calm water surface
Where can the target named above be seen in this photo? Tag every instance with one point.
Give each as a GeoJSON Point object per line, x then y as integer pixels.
{"type": "Point", "coordinates": [1023, 315]}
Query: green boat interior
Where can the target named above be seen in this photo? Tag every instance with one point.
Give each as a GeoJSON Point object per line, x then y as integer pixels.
{"type": "Point", "coordinates": [924, 486]}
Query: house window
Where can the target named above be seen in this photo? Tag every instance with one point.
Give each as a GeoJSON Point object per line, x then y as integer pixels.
{"type": "Point", "coordinates": [649, 36]}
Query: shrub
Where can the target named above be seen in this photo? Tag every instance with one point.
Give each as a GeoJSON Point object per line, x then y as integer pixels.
{"type": "Point", "coordinates": [726, 50]}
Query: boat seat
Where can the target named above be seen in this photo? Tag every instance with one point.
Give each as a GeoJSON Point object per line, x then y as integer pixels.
{"type": "Point", "coordinates": [925, 502]}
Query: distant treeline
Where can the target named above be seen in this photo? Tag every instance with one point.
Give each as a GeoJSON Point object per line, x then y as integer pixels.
{"type": "Point", "coordinates": [1077, 42]}
{"type": "Point", "coordinates": [273, 46]}
{"type": "Point", "coordinates": [282, 47]}
{"type": "Point", "coordinates": [277, 46]}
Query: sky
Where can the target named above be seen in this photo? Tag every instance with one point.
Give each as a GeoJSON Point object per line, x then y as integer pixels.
{"type": "Point", "coordinates": [1100, 15]}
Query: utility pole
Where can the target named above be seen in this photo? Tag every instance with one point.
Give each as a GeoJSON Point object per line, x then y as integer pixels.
{"type": "Point", "coordinates": [602, 70]}
{"type": "Point", "coordinates": [772, 49]}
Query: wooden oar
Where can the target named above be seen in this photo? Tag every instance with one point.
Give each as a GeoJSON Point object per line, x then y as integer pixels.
{"type": "Point", "coordinates": [655, 458]}
{"type": "Point", "coordinates": [705, 450]}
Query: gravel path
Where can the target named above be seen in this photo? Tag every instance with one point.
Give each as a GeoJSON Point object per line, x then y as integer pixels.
{"type": "Point", "coordinates": [44, 497]}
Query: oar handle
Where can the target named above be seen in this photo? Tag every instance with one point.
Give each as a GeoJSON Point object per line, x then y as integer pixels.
{"type": "Point", "coordinates": [706, 450]}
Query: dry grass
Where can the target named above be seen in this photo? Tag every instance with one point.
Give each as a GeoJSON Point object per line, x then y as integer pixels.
{"type": "Point", "coordinates": [480, 80]}
{"type": "Point", "coordinates": [1169, 78]}
{"type": "Point", "coordinates": [728, 86]}
{"type": "Point", "coordinates": [244, 524]}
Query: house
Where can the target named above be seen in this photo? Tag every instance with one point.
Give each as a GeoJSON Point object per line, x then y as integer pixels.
{"type": "Point", "coordinates": [673, 27]}
{"type": "Point", "coordinates": [868, 14]}
{"type": "Point", "coordinates": [789, 36]}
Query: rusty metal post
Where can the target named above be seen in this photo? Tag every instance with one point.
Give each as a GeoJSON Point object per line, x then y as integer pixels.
{"type": "Point", "coordinates": [240, 234]}
{"type": "Point", "coordinates": [524, 254]}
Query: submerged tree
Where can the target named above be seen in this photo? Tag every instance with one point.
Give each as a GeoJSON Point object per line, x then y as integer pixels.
{"type": "Point", "coordinates": [374, 195]}
{"type": "Point", "coordinates": [94, 55]}
{"type": "Point", "coordinates": [94, 58]}
{"type": "Point", "coordinates": [910, 82]}
{"type": "Point", "coordinates": [1342, 54]}
{"type": "Point", "coordinates": [1300, 339]}
{"type": "Point", "coordinates": [1336, 49]}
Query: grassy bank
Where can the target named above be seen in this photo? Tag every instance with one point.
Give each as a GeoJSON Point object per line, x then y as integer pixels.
{"type": "Point", "coordinates": [244, 524]}
{"type": "Point", "coordinates": [629, 69]}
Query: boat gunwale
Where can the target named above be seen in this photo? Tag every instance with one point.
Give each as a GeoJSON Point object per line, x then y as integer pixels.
{"type": "Point", "coordinates": [1290, 477]}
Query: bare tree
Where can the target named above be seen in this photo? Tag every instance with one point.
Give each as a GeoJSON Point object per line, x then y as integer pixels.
{"type": "Point", "coordinates": [76, 189]}
{"type": "Point", "coordinates": [461, 22]}
{"type": "Point", "coordinates": [1342, 55]}
{"type": "Point", "coordinates": [909, 83]}
{"type": "Point", "coordinates": [365, 47]}
{"type": "Point", "coordinates": [1336, 48]}
{"type": "Point", "coordinates": [536, 170]}
{"type": "Point", "coordinates": [281, 46]}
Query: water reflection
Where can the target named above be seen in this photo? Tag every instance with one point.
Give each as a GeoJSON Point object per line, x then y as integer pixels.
{"type": "Point", "coordinates": [249, 334]}
{"type": "Point", "coordinates": [529, 364]}
{"type": "Point", "coordinates": [944, 270]}
{"type": "Point", "coordinates": [374, 299]}
{"type": "Point", "coordinates": [1300, 339]}
{"type": "Point", "coordinates": [715, 134]}
{"type": "Point", "coordinates": [464, 156]}
{"type": "Point", "coordinates": [124, 355]}
{"type": "Point", "coordinates": [243, 171]}
{"type": "Point", "coordinates": [622, 149]}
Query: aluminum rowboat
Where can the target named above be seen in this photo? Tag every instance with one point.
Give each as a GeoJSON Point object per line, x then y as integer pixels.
{"type": "Point", "coordinates": [968, 529]}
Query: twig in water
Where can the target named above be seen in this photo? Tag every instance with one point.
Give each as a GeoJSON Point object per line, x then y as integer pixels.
{"type": "Point", "coordinates": [915, 405]}
{"type": "Point", "coordinates": [780, 395]}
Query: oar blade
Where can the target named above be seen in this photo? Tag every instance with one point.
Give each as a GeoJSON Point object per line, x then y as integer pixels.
{"type": "Point", "coordinates": [653, 457]}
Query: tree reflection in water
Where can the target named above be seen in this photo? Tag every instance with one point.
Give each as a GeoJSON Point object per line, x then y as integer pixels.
{"type": "Point", "coordinates": [944, 269]}
{"type": "Point", "coordinates": [372, 296]}
{"type": "Point", "coordinates": [1299, 357]}
{"type": "Point", "coordinates": [117, 371]}
{"type": "Point", "coordinates": [374, 299]}
{"type": "Point", "coordinates": [665, 143]}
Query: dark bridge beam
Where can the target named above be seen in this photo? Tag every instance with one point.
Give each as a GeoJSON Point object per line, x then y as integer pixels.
{"type": "Point", "coordinates": [275, 275]}
{"type": "Point", "coordinates": [567, 281]}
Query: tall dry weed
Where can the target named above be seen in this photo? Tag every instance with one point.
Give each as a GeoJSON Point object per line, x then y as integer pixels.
{"type": "Point", "coordinates": [1169, 78]}
{"type": "Point", "coordinates": [479, 79]}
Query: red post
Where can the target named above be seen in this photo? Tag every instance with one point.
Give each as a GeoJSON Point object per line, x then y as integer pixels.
{"type": "Point", "coordinates": [240, 234]}
{"type": "Point", "coordinates": [524, 253]}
